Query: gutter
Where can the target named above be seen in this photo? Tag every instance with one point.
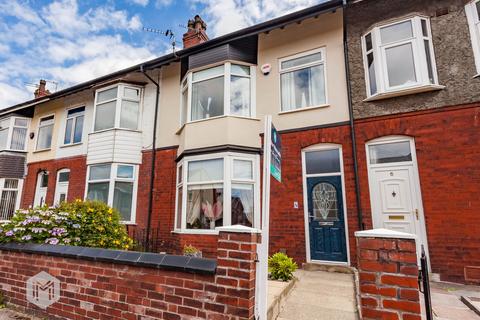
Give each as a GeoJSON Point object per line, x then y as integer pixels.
{"type": "Point", "coordinates": [154, 156]}
{"type": "Point", "coordinates": [361, 224]}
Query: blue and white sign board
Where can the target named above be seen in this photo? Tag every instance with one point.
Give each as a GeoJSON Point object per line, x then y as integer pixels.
{"type": "Point", "coordinates": [276, 155]}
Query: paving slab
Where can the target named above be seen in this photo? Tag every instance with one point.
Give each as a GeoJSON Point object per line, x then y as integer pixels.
{"type": "Point", "coordinates": [321, 295]}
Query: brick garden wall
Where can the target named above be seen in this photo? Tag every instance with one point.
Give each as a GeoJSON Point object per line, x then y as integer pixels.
{"type": "Point", "coordinates": [76, 187]}
{"type": "Point", "coordinates": [135, 285]}
{"type": "Point", "coordinates": [388, 275]}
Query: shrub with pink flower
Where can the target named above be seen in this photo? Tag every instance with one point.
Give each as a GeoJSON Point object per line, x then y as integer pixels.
{"type": "Point", "coordinates": [80, 223]}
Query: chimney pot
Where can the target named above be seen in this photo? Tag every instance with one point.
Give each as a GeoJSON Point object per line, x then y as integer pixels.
{"type": "Point", "coordinates": [41, 91]}
{"type": "Point", "coordinates": [196, 32]}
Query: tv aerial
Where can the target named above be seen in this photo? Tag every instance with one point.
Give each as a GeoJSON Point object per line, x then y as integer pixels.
{"type": "Point", "coordinates": [167, 33]}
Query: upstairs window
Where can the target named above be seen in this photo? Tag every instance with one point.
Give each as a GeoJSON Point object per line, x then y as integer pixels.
{"type": "Point", "coordinates": [117, 107]}
{"type": "Point", "coordinates": [217, 91]}
{"type": "Point", "coordinates": [45, 131]}
{"type": "Point", "coordinates": [13, 133]}
{"type": "Point", "coordinates": [302, 79]}
{"type": "Point", "coordinates": [74, 126]}
{"type": "Point", "coordinates": [399, 56]}
{"type": "Point", "coordinates": [472, 10]}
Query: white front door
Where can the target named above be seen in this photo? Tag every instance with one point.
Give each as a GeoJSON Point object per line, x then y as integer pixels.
{"type": "Point", "coordinates": [395, 194]}
{"type": "Point", "coordinates": [41, 189]}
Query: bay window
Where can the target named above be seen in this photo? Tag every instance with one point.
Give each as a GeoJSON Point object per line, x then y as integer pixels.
{"type": "Point", "coordinates": [399, 56]}
{"type": "Point", "coordinates": [115, 185]}
{"type": "Point", "coordinates": [13, 133]}
{"type": "Point", "coordinates": [74, 126]}
{"type": "Point", "coordinates": [45, 132]}
{"type": "Point", "coordinates": [221, 90]}
{"type": "Point", "coordinates": [302, 80]}
{"type": "Point", "coordinates": [9, 197]}
{"type": "Point", "coordinates": [217, 190]}
{"type": "Point", "coordinates": [472, 10]}
{"type": "Point", "coordinates": [117, 107]}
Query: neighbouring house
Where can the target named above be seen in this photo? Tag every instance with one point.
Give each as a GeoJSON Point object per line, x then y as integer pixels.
{"type": "Point", "coordinates": [414, 69]}
{"type": "Point", "coordinates": [175, 143]}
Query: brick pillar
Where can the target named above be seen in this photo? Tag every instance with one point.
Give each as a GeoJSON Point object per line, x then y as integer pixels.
{"type": "Point", "coordinates": [236, 267]}
{"type": "Point", "coordinates": [387, 265]}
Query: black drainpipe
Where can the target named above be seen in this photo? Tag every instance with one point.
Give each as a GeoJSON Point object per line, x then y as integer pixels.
{"type": "Point", "coordinates": [152, 173]}
{"type": "Point", "coordinates": [361, 225]}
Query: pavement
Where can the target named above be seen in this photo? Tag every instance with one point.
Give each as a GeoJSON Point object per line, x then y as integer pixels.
{"type": "Point", "coordinates": [447, 304]}
{"type": "Point", "coordinates": [320, 295]}
{"type": "Point", "coordinates": [7, 314]}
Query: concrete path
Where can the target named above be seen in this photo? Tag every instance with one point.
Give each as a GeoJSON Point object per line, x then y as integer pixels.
{"type": "Point", "coordinates": [447, 304]}
{"type": "Point", "coordinates": [321, 295]}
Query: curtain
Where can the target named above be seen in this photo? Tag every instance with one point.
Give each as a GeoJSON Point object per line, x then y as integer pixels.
{"type": "Point", "coordinates": [288, 91]}
{"type": "Point", "coordinates": [246, 196]}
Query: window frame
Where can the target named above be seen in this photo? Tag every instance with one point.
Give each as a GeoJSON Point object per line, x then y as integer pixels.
{"type": "Point", "coordinates": [18, 190]}
{"type": "Point", "coordinates": [323, 61]}
{"type": "Point", "coordinates": [41, 126]}
{"type": "Point", "coordinates": [227, 181]}
{"type": "Point", "coordinates": [187, 84]}
{"type": "Point", "coordinates": [111, 185]}
{"type": "Point", "coordinates": [75, 118]}
{"type": "Point", "coordinates": [420, 59]}
{"type": "Point", "coordinates": [118, 105]}
{"type": "Point", "coordinates": [473, 19]}
{"type": "Point", "coordinates": [10, 128]}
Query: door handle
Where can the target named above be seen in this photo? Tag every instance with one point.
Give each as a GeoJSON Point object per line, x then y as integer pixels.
{"type": "Point", "coordinates": [416, 213]}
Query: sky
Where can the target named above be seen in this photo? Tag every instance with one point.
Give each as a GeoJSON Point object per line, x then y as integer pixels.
{"type": "Point", "coordinates": [68, 42]}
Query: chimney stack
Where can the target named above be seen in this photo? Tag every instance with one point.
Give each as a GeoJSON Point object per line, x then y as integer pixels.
{"type": "Point", "coordinates": [196, 32]}
{"type": "Point", "coordinates": [41, 90]}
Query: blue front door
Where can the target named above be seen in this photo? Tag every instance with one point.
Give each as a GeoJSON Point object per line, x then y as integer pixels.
{"type": "Point", "coordinates": [326, 219]}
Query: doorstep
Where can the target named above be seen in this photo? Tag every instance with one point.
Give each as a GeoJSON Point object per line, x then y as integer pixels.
{"type": "Point", "coordinates": [313, 266]}
{"type": "Point", "coordinates": [277, 292]}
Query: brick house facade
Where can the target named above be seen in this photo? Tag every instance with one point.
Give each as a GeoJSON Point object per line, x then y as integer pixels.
{"type": "Point", "coordinates": [441, 170]}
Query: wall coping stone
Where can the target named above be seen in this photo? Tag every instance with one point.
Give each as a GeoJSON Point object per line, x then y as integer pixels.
{"type": "Point", "coordinates": [238, 228]}
{"type": "Point", "coordinates": [135, 258]}
{"type": "Point", "coordinates": [384, 233]}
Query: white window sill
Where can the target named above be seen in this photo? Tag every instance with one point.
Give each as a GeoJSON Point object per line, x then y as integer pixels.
{"type": "Point", "coordinates": [42, 150]}
{"type": "Point", "coordinates": [128, 223]}
{"type": "Point", "coordinates": [404, 92]}
{"type": "Point", "coordinates": [13, 150]}
{"type": "Point", "coordinates": [304, 109]}
{"type": "Point", "coordinates": [71, 145]}
{"type": "Point", "coordinates": [196, 231]}
{"type": "Point", "coordinates": [476, 76]}
{"type": "Point", "coordinates": [114, 129]}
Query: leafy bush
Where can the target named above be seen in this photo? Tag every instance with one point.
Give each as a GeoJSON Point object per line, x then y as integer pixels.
{"type": "Point", "coordinates": [79, 223]}
{"type": "Point", "coordinates": [281, 267]}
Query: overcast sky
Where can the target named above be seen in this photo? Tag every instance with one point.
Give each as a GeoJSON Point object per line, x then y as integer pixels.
{"type": "Point", "coordinates": [69, 41]}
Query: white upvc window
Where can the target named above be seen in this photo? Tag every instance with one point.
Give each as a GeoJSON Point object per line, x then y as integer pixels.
{"type": "Point", "coordinates": [303, 80]}
{"type": "Point", "coordinates": [217, 190]}
{"type": "Point", "coordinates": [13, 133]}
{"type": "Point", "coordinates": [74, 126]}
{"type": "Point", "coordinates": [472, 10]}
{"type": "Point", "coordinates": [45, 132]}
{"type": "Point", "coordinates": [116, 185]}
{"type": "Point", "coordinates": [117, 107]}
{"type": "Point", "coordinates": [10, 190]}
{"type": "Point", "coordinates": [226, 89]}
{"type": "Point", "coordinates": [399, 56]}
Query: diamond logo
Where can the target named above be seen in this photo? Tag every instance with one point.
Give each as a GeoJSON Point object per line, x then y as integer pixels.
{"type": "Point", "coordinates": [43, 290]}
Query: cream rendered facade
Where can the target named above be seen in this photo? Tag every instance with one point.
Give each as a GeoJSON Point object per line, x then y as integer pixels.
{"type": "Point", "coordinates": [323, 32]}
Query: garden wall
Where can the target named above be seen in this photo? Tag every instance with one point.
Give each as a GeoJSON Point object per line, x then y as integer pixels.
{"type": "Point", "coordinates": [108, 284]}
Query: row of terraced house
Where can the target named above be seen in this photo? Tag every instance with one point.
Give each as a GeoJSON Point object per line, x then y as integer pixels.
{"type": "Point", "coordinates": [377, 103]}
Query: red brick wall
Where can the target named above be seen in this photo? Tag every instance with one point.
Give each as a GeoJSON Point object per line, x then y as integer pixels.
{"type": "Point", "coordinates": [76, 187]}
{"type": "Point", "coordinates": [287, 224]}
{"type": "Point", "coordinates": [447, 146]}
{"type": "Point", "coordinates": [388, 275]}
{"type": "Point", "coordinates": [99, 290]}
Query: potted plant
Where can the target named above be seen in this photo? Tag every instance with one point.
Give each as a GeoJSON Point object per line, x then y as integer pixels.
{"type": "Point", "coordinates": [191, 251]}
